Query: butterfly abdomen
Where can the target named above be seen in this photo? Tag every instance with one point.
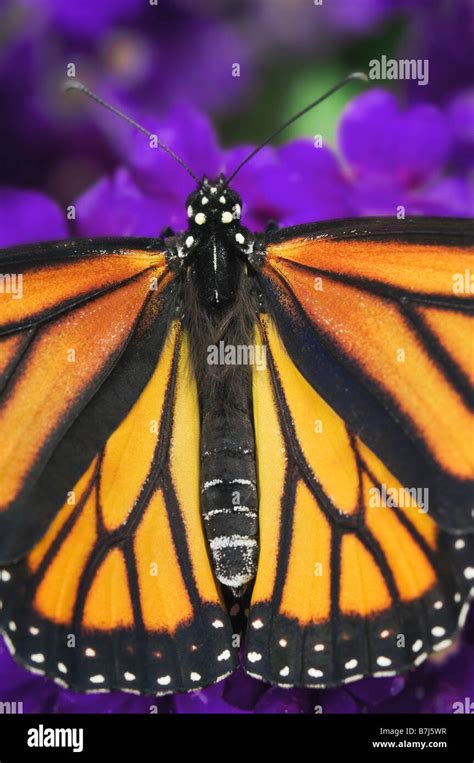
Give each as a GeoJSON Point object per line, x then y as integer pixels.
{"type": "Point", "coordinates": [218, 342]}
{"type": "Point", "coordinates": [229, 493]}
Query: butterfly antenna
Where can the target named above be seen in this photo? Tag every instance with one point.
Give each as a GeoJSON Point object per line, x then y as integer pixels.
{"type": "Point", "coordinates": [355, 76]}
{"type": "Point", "coordinates": [76, 85]}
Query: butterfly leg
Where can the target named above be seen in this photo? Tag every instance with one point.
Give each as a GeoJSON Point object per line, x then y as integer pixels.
{"type": "Point", "coordinates": [167, 232]}
{"type": "Point", "coordinates": [271, 226]}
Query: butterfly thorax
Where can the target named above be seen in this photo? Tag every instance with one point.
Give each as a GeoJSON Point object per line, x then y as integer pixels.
{"type": "Point", "coordinates": [216, 247]}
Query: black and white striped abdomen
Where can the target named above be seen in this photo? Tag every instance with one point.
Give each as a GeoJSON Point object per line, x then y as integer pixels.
{"type": "Point", "coordinates": [229, 494]}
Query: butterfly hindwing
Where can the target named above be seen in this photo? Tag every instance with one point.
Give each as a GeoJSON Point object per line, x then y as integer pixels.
{"type": "Point", "coordinates": [119, 593]}
{"type": "Point", "coordinates": [377, 315]}
{"type": "Point", "coordinates": [348, 582]}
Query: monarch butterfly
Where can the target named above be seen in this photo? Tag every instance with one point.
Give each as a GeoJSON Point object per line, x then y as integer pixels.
{"type": "Point", "coordinates": [250, 413]}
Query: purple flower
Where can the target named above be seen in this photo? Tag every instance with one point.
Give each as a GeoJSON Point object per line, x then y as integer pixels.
{"type": "Point", "coordinates": [27, 216]}
{"type": "Point", "coordinates": [388, 157]}
{"type": "Point", "coordinates": [460, 113]}
{"type": "Point", "coordinates": [398, 158]}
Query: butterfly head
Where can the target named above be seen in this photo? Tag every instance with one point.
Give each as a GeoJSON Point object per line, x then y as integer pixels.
{"type": "Point", "coordinates": [213, 203]}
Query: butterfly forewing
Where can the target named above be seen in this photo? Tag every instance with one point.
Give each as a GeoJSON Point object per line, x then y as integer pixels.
{"type": "Point", "coordinates": [59, 344]}
{"type": "Point", "coordinates": [377, 315]}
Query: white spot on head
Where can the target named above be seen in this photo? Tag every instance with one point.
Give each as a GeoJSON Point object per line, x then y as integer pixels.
{"type": "Point", "coordinates": [189, 241]}
{"type": "Point", "coordinates": [384, 662]}
{"type": "Point", "coordinates": [5, 576]}
{"type": "Point", "coordinates": [222, 199]}
{"type": "Point", "coordinates": [257, 624]}
{"type": "Point", "coordinates": [195, 677]}
{"type": "Point", "coordinates": [236, 210]}
{"type": "Point", "coordinates": [254, 656]}
{"type": "Point", "coordinates": [460, 543]}
{"type": "Point", "coordinates": [61, 667]}
{"type": "Point", "coordinates": [226, 217]}
{"type": "Point", "coordinates": [97, 679]}
{"type": "Point", "coordinates": [213, 189]}
{"type": "Point", "coordinates": [240, 238]}
{"type": "Point", "coordinates": [351, 665]}
{"type": "Point", "coordinates": [417, 645]}
{"type": "Point", "coordinates": [39, 658]}
{"type": "Point", "coordinates": [285, 671]}
{"type": "Point", "coordinates": [314, 673]}
{"type": "Point", "coordinates": [200, 218]}
{"type": "Point", "coordinates": [129, 676]}
{"type": "Point", "coordinates": [190, 211]}
{"type": "Point", "coordinates": [204, 200]}
{"type": "Point", "coordinates": [164, 680]}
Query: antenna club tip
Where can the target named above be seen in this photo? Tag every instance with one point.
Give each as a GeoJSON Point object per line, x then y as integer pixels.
{"type": "Point", "coordinates": [72, 84]}
{"type": "Point", "coordinates": [361, 76]}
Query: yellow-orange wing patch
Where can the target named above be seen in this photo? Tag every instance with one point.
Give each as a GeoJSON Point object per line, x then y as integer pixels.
{"type": "Point", "coordinates": [123, 568]}
{"type": "Point", "coordinates": [354, 576]}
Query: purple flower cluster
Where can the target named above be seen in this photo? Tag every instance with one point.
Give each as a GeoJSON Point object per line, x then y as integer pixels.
{"type": "Point", "coordinates": [440, 685]}
{"type": "Point", "coordinates": [166, 53]}
{"type": "Point", "coordinates": [388, 158]}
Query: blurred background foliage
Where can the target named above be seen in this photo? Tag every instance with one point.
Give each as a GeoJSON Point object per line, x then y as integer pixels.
{"type": "Point", "coordinates": [147, 55]}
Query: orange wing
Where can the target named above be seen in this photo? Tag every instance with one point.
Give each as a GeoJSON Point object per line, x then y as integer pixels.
{"type": "Point", "coordinates": [119, 593]}
{"type": "Point", "coordinates": [61, 336]}
{"type": "Point", "coordinates": [354, 576]}
{"type": "Point", "coordinates": [377, 315]}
